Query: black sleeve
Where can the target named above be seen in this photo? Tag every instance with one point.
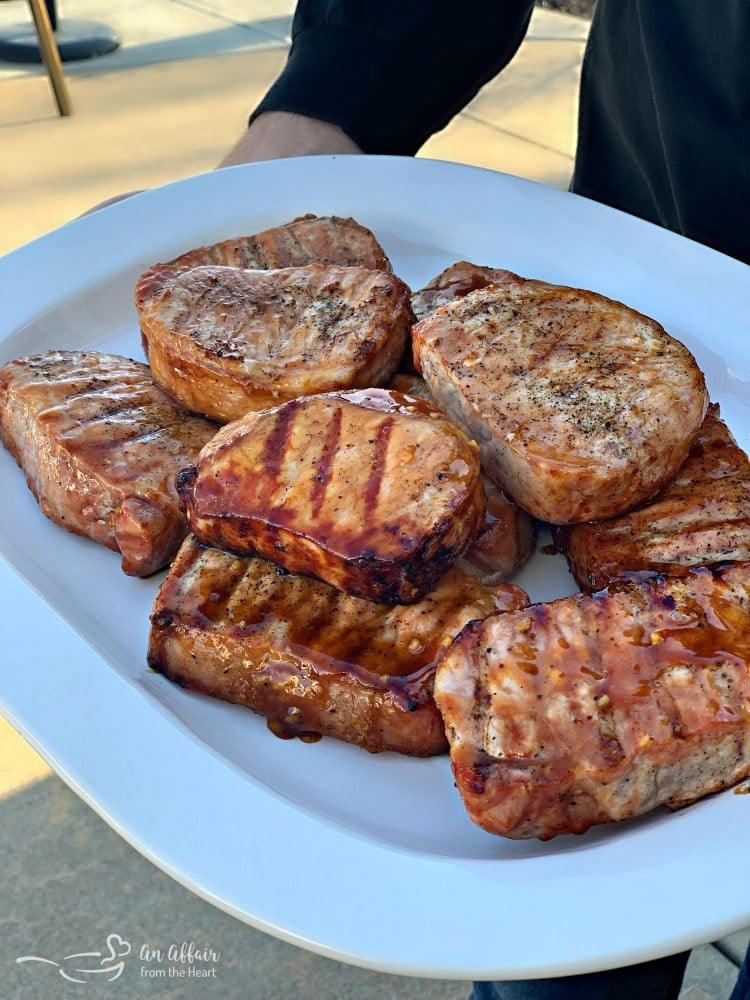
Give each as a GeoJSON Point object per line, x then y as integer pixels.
{"type": "Point", "coordinates": [664, 124]}
{"type": "Point", "coordinates": [391, 73]}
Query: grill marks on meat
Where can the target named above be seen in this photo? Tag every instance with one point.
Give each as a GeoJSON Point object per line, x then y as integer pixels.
{"type": "Point", "coordinates": [100, 446]}
{"type": "Point", "coordinates": [226, 341]}
{"type": "Point", "coordinates": [601, 707]}
{"type": "Point", "coordinates": [307, 240]}
{"type": "Point", "coordinates": [312, 660]}
{"type": "Point", "coordinates": [372, 491]}
{"type": "Point", "coordinates": [582, 407]}
{"type": "Point", "coordinates": [701, 518]}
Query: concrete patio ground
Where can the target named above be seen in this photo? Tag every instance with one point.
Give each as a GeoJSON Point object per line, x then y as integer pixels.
{"type": "Point", "coordinates": [168, 104]}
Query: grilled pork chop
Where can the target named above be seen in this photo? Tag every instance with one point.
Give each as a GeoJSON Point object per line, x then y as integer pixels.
{"type": "Point", "coordinates": [225, 341]}
{"type": "Point", "coordinates": [454, 282]}
{"type": "Point", "coordinates": [100, 446]}
{"type": "Point", "coordinates": [508, 535]}
{"type": "Point", "coordinates": [306, 240]}
{"type": "Point", "coordinates": [374, 492]}
{"type": "Point", "coordinates": [601, 707]}
{"type": "Point", "coordinates": [582, 407]}
{"type": "Point", "coordinates": [312, 660]}
{"type": "Point", "coordinates": [701, 518]}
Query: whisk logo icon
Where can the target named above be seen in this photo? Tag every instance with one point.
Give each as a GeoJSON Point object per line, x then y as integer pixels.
{"type": "Point", "coordinates": [89, 966]}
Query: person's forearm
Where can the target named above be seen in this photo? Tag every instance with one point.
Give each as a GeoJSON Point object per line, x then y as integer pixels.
{"type": "Point", "coordinates": [279, 134]}
{"type": "Point", "coordinates": [390, 74]}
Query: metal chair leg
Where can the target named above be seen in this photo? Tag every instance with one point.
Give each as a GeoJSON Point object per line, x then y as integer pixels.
{"type": "Point", "coordinates": [51, 56]}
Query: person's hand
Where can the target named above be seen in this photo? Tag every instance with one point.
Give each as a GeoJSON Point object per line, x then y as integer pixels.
{"type": "Point", "coordinates": [277, 134]}
{"type": "Point", "coordinates": [272, 136]}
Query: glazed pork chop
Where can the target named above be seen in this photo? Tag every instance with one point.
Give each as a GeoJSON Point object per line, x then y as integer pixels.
{"type": "Point", "coordinates": [226, 341]}
{"type": "Point", "coordinates": [507, 538]}
{"type": "Point", "coordinates": [373, 492]}
{"type": "Point", "coordinates": [309, 239]}
{"type": "Point", "coordinates": [601, 707]}
{"type": "Point", "coordinates": [310, 659]}
{"type": "Point", "coordinates": [100, 446]}
{"type": "Point", "coordinates": [701, 518]}
{"type": "Point", "coordinates": [582, 407]}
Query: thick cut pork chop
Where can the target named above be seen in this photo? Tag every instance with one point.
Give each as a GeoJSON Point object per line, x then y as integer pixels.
{"type": "Point", "coordinates": [582, 407]}
{"type": "Point", "coordinates": [100, 446]}
{"type": "Point", "coordinates": [701, 518]}
{"type": "Point", "coordinates": [308, 240]}
{"type": "Point", "coordinates": [374, 492]}
{"type": "Point", "coordinates": [601, 707]}
{"type": "Point", "coordinates": [226, 341]}
{"type": "Point", "coordinates": [310, 659]}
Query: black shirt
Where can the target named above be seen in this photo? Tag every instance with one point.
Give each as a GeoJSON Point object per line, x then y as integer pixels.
{"type": "Point", "coordinates": [664, 119]}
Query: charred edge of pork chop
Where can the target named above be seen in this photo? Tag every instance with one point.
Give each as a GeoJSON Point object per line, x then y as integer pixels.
{"type": "Point", "coordinates": [598, 708]}
{"type": "Point", "coordinates": [309, 239]}
{"type": "Point", "coordinates": [702, 518]}
{"type": "Point", "coordinates": [581, 406]}
{"type": "Point", "coordinates": [312, 660]}
{"type": "Point", "coordinates": [99, 445]}
{"type": "Point", "coordinates": [374, 492]}
{"type": "Point", "coordinates": [226, 341]}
